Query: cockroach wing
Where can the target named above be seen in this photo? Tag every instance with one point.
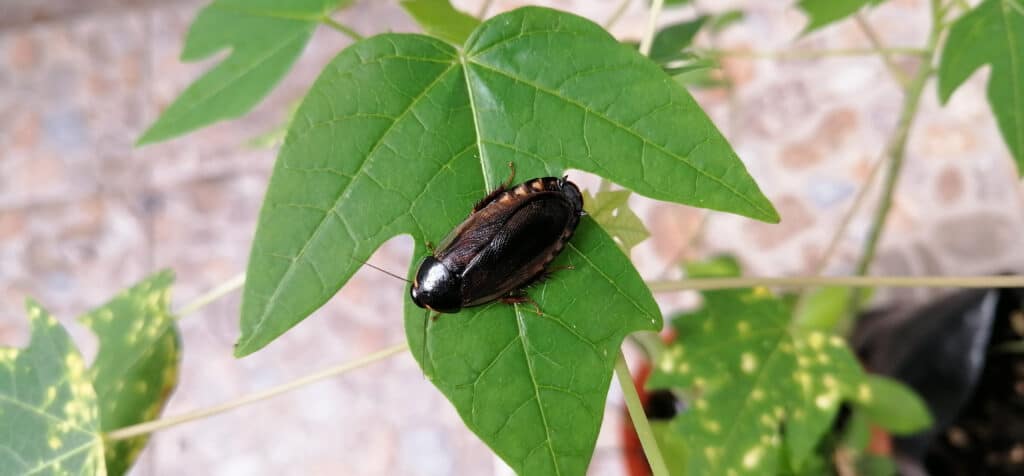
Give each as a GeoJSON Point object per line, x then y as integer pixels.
{"type": "Point", "coordinates": [521, 249]}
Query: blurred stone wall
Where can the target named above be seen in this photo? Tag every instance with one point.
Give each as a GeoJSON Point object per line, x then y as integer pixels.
{"type": "Point", "coordinates": [83, 213]}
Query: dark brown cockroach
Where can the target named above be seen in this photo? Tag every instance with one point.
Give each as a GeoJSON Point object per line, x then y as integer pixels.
{"type": "Point", "coordinates": [505, 245]}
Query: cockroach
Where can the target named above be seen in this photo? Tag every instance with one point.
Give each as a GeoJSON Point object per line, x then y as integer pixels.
{"type": "Point", "coordinates": [503, 246]}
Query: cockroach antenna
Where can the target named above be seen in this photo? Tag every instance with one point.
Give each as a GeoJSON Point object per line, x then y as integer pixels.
{"type": "Point", "coordinates": [389, 273]}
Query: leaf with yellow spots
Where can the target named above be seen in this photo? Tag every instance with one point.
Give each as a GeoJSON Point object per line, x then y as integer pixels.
{"type": "Point", "coordinates": [611, 210]}
{"type": "Point", "coordinates": [749, 375]}
{"type": "Point", "coordinates": [137, 364]}
{"type": "Point", "coordinates": [48, 408]}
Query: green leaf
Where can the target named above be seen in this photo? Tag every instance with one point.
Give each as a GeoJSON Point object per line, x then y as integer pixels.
{"type": "Point", "coordinates": [610, 209]}
{"type": "Point", "coordinates": [823, 12]}
{"type": "Point", "coordinates": [440, 19]}
{"type": "Point", "coordinates": [532, 386]}
{"type": "Point", "coordinates": [264, 38]}
{"type": "Point", "coordinates": [672, 39]}
{"type": "Point", "coordinates": [750, 374]}
{"type": "Point", "coordinates": [48, 408]}
{"type": "Point", "coordinates": [421, 131]}
{"type": "Point", "coordinates": [992, 33]}
{"type": "Point", "coordinates": [402, 134]}
{"type": "Point", "coordinates": [137, 365]}
{"type": "Point", "coordinates": [893, 406]}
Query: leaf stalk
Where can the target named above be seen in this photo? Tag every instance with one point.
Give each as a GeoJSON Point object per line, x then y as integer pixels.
{"type": "Point", "coordinates": [639, 418]}
{"type": "Point", "coordinates": [156, 425]}
{"type": "Point", "coordinates": [707, 284]}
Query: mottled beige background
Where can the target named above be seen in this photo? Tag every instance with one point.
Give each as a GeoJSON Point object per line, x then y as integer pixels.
{"type": "Point", "coordinates": [82, 214]}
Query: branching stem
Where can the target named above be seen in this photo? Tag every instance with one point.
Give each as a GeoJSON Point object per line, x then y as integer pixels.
{"type": "Point", "coordinates": [813, 54]}
{"type": "Point", "coordinates": [156, 425]}
{"type": "Point", "coordinates": [652, 26]}
{"type": "Point", "coordinates": [851, 281]}
{"type": "Point", "coordinates": [218, 292]}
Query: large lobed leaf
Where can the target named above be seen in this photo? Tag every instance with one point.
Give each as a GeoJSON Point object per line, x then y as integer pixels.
{"type": "Point", "coordinates": [750, 375]}
{"type": "Point", "coordinates": [992, 33]}
{"type": "Point", "coordinates": [48, 409]}
{"type": "Point", "coordinates": [137, 364]}
{"type": "Point", "coordinates": [401, 134]}
{"type": "Point", "coordinates": [264, 38]}
{"type": "Point", "coordinates": [823, 12]}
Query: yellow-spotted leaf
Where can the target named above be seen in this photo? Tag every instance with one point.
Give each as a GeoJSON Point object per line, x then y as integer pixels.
{"type": "Point", "coordinates": [750, 375]}
{"type": "Point", "coordinates": [137, 364]}
{"type": "Point", "coordinates": [49, 417]}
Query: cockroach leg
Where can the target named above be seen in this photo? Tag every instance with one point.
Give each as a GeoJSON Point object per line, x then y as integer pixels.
{"type": "Point", "coordinates": [498, 191]}
{"type": "Point", "coordinates": [521, 299]}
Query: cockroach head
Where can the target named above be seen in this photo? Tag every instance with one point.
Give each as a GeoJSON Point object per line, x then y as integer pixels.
{"type": "Point", "coordinates": [436, 287]}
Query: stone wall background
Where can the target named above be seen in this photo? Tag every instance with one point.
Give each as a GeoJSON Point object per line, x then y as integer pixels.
{"type": "Point", "coordinates": [83, 214]}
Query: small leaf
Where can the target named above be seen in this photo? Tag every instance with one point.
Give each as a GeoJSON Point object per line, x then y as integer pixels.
{"type": "Point", "coordinates": [992, 33]}
{"type": "Point", "coordinates": [532, 386]}
{"type": "Point", "coordinates": [442, 20]}
{"type": "Point", "coordinates": [137, 365]}
{"type": "Point", "coordinates": [264, 38]}
{"type": "Point", "coordinates": [672, 39]}
{"type": "Point", "coordinates": [893, 406]}
{"type": "Point", "coordinates": [750, 375]}
{"type": "Point", "coordinates": [48, 408]}
{"type": "Point", "coordinates": [610, 209]}
{"type": "Point", "coordinates": [823, 12]}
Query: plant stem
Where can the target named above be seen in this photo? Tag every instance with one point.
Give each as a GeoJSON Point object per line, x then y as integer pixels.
{"type": "Point", "coordinates": [897, 153]}
{"type": "Point", "coordinates": [616, 15]}
{"type": "Point", "coordinates": [639, 418]}
{"type": "Point", "coordinates": [851, 281]}
{"type": "Point", "coordinates": [814, 54]}
{"type": "Point", "coordinates": [652, 25]}
{"type": "Point", "coordinates": [326, 20]}
{"type": "Point", "coordinates": [876, 44]}
{"type": "Point", "coordinates": [212, 295]}
{"type": "Point", "coordinates": [155, 425]}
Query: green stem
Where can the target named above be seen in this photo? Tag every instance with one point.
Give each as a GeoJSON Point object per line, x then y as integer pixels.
{"type": "Point", "coordinates": [326, 20]}
{"type": "Point", "coordinates": [639, 418]}
{"type": "Point", "coordinates": [703, 284]}
{"type": "Point", "coordinates": [155, 425]}
{"type": "Point", "coordinates": [897, 153]}
{"type": "Point", "coordinates": [876, 44]}
{"type": "Point", "coordinates": [652, 25]}
{"type": "Point", "coordinates": [814, 54]}
{"type": "Point", "coordinates": [212, 295]}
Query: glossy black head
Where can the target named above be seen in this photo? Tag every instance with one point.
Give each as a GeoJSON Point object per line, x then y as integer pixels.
{"type": "Point", "coordinates": [436, 288]}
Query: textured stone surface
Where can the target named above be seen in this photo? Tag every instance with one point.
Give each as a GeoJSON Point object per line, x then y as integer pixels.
{"type": "Point", "coordinates": [83, 214]}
